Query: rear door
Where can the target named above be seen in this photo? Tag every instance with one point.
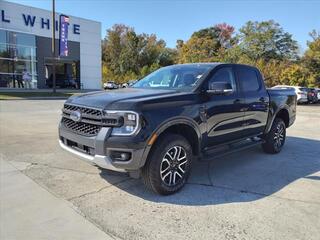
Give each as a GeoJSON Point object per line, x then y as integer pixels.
{"type": "Point", "coordinates": [256, 99]}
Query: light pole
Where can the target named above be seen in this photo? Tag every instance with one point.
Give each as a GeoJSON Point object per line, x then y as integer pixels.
{"type": "Point", "coordinates": [53, 47]}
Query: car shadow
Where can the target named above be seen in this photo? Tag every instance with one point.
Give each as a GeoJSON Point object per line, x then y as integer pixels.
{"type": "Point", "coordinates": [244, 176]}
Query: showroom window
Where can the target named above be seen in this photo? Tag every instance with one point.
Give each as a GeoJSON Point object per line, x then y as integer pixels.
{"type": "Point", "coordinates": [17, 60]}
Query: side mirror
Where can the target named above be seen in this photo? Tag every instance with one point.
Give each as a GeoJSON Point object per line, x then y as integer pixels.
{"type": "Point", "coordinates": [219, 88]}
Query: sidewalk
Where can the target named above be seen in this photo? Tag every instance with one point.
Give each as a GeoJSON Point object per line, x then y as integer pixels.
{"type": "Point", "coordinates": [28, 211]}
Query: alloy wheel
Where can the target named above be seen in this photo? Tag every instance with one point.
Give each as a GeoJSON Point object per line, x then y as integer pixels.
{"type": "Point", "coordinates": [279, 136]}
{"type": "Point", "coordinates": [173, 166]}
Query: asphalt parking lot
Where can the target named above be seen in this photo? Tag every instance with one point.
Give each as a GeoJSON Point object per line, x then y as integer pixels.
{"type": "Point", "coordinates": [245, 195]}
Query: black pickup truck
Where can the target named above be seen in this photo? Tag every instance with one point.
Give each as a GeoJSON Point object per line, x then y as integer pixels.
{"type": "Point", "coordinates": [175, 115]}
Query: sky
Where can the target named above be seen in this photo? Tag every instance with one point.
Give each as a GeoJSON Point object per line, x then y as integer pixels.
{"type": "Point", "coordinates": [177, 19]}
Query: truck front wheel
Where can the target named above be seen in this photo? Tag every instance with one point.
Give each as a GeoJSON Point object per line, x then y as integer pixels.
{"type": "Point", "coordinates": [276, 137]}
{"type": "Point", "coordinates": [168, 165]}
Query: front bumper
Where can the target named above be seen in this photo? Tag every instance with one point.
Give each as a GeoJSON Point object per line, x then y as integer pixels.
{"type": "Point", "coordinates": [98, 150]}
{"type": "Point", "coordinates": [99, 160]}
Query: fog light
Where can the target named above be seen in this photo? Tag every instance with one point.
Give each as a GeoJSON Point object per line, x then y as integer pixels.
{"type": "Point", "coordinates": [120, 156]}
{"type": "Point", "coordinates": [124, 156]}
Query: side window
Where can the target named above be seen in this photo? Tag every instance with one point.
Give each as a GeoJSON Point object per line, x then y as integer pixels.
{"type": "Point", "coordinates": [224, 75]}
{"type": "Point", "coordinates": [248, 79]}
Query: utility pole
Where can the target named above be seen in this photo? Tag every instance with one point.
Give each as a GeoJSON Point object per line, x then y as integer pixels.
{"type": "Point", "coordinates": [53, 47]}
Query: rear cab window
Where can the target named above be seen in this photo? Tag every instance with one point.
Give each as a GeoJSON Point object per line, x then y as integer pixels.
{"type": "Point", "coordinates": [248, 79]}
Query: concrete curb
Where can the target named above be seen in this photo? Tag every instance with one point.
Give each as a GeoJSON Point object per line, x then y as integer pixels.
{"type": "Point", "coordinates": [35, 98]}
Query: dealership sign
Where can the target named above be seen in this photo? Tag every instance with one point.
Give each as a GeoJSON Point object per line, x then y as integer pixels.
{"type": "Point", "coordinates": [63, 36]}
{"type": "Point", "coordinates": [31, 21]}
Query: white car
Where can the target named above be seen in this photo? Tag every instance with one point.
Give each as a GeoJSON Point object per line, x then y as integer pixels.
{"type": "Point", "coordinates": [301, 92]}
{"type": "Point", "coordinates": [318, 94]}
{"type": "Point", "coordinates": [110, 85]}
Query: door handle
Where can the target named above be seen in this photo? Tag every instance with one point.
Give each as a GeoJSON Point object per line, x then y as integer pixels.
{"type": "Point", "coordinates": [236, 101]}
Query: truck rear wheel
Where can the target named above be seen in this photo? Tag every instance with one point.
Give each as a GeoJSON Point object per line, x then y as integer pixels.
{"type": "Point", "coordinates": [276, 137]}
{"type": "Point", "coordinates": [168, 165]}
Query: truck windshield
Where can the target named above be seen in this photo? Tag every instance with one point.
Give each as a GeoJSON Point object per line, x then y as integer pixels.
{"type": "Point", "coordinates": [182, 77]}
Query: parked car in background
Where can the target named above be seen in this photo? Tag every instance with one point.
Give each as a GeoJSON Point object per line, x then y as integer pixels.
{"type": "Point", "coordinates": [129, 83]}
{"type": "Point", "coordinates": [301, 92]}
{"type": "Point", "coordinates": [312, 95]}
{"type": "Point", "coordinates": [318, 93]}
{"type": "Point", "coordinates": [124, 85]}
{"type": "Point", "coordinates": [110, 85]}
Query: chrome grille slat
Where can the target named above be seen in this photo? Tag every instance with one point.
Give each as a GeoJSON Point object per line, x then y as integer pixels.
{"type": "Point", "coordinates": [85, 115]}
{"type": "Point", "coordinates": [90, 123]}
{"type": "Point", "coordinates": [85, 120]}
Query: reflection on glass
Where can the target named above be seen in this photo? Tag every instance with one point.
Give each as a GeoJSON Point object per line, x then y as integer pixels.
{"type": "Point", "coordinates": [17, 55]}
{"type": "Point", "coordinates": [4, 51]}
{"type": "Point", "coordinates": [6, 66]}
{"type": "Point", "coordinates": [3, 36]}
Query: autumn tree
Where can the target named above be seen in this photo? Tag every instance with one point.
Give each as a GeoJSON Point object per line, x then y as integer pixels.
{"type": "Point", "coordinates": [127, 55]}
{"type": "Point", "coordinates": [206, 44]}
{"type": "Point", "coordinates": [294, 75]}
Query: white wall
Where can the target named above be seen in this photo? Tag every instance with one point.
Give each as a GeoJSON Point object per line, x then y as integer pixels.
{"type": "Point", "coordinates": [89, 38]}
{"type": "Point", "coordinates": [90, 54]}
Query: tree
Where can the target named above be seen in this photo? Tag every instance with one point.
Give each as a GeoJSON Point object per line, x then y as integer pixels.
{"type": "Point", "coordinates": [112, 46]}
{"type": "Point", "coordinates": [311, 59]}
{"type": "Point", "coordinates": [127, 55]}
{"type": "Point", "coordinates": [266, 40]}
{"type": "Point", "coordinates": [206, 44]}
{"type": "Point", "coordinates": [198, 49]}
{"type": "Point", "coordinates": [272, 70]}
{"type": "Point", "coordinates": [294, 75]}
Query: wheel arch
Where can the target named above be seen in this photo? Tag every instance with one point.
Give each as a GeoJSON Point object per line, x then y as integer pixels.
{"type": "Point", "coordinates": [283, 113]}
{"type": "Point", "coordinates": [183, 126]}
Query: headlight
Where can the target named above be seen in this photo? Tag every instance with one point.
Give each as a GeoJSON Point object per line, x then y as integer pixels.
{"type": "Point", "coordinates": [130, 126]}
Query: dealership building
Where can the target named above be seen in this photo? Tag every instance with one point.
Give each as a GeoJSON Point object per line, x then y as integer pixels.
{"type": "Point", "coordinates": [26, 55]}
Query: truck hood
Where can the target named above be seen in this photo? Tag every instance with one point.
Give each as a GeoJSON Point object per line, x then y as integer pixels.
{"type": "Point", "coordinates": [119, 99]}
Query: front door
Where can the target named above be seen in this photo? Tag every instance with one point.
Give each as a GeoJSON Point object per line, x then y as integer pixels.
{"type": "Point", "coordinates": [224, 113]}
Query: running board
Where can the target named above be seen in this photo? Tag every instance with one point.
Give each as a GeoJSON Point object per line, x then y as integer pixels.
{"type": "Point", "coordinates": [229, 148]}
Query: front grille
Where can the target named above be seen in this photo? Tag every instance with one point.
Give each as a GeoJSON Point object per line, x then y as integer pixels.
{"type": "Point", "coordinates": [80, 127]}
{"type": "Point", "coordinates": [91, 120]}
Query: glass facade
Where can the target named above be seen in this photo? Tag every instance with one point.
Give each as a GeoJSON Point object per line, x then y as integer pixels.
{"type": "Point", "coordinates": [18, 65]}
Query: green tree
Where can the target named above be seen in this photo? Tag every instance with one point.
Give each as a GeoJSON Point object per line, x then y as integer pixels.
{"type": "Point", "coordinates": [127, 55]}
{"type": "Point", "coordinates": [311, 59]}
{"type": "Point", "coordinates": [266, 40]}
{"type": "Point", "coordinates": [112, 47]}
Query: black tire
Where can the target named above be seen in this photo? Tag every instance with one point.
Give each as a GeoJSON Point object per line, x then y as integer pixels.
{"type": "Point", "coordinates": [159, 159]}
{"type": "Point", "coordinates": [276, 137]}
